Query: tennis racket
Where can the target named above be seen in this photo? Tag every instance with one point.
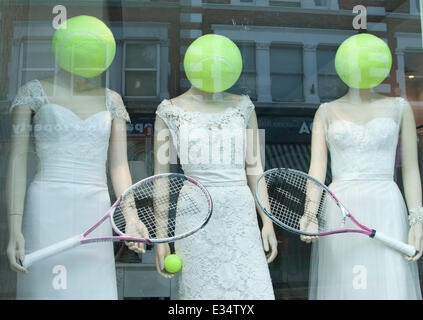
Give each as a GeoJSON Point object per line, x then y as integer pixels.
{"type": "Point", "coordinates": [301, 204]}
{"type": "Point", "coordinates": [170, 206]}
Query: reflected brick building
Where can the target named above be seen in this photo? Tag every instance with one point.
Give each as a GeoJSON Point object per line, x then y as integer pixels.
{"type": "Point", "coordinates": [288, 48]}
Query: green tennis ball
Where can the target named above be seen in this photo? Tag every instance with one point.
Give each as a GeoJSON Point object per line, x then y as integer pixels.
{"type": "Point", "coordinates": [173, 263]}
{"type": "Point", "coordinates": [363, 61]}
{"type": "Point", "coordinates": [213, 63]}
{"type": "Point", "coordinates": [84, 45]}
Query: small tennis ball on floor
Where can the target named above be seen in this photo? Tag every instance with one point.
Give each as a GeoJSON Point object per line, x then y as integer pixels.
{"type": "Point", "coordinates": [363, 61]}
{"type": "Point", "coordinates": [84, 46]}
{"type": "Point", "coordinates": [213, 63]}
{"type": "Point", "coordinates": [173, 263]}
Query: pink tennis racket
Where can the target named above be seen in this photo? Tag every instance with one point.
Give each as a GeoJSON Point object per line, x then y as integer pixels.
{"type": "Point", "coordinates": [170, 207]}
{"type": "Point", "coordinates": [301, 204]}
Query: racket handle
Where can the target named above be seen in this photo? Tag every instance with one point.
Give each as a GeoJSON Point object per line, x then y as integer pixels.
{"type": "Point", "coordinates": [50, 250]}
{"type": "Point", "coordinates": [395, 244]}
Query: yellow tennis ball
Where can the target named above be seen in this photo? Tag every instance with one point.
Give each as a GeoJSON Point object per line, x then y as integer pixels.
{"type": "Point", "coordinates": [173, 263]}
{"type": "Point", "coordinates": [213, 63]}
{"type": "Point", "coordinates": [363, 61]}
{"type": "Point", "coordinates": [84, 45]}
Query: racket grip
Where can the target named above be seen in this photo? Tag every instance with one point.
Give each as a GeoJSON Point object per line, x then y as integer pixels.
{"type": "Point", "coordinates": [50, 250]}
{"type": "Point", "coordinates": [395, 244]}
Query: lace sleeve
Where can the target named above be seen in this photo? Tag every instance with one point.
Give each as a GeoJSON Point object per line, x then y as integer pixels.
{"type": "Point", "coordinates": [168, 114]}
{"type": "Point", "coordinates": [115, 106]}
{"type": "Point", "coordinates": [30, 94]}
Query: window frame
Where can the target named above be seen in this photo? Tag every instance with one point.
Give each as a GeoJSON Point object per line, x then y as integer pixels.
{"type": "Point", "coordinates": [157, 70]}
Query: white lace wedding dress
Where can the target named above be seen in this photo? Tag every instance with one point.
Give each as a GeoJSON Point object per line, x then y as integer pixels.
{"type": "Point", "coordinates": [352, 266]}
{"type": "Point", "coordinates": [68, 194]}
{"type": "Point", "coordinates": [224, 260]}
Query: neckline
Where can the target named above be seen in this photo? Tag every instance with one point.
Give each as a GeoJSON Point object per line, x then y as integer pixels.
{"type": "Point", "coordinates": [73, 113]}
{"type": "Point", "coordinates": [234, 107]}
{"type": "Point", "coordinates": [365, 123]}
{"type": "Point", "coordinates": [339, 118]}
{"type": "Point", "coordinates": [76, 115]}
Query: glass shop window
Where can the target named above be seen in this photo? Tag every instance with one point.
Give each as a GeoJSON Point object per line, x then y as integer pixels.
{"type": "Point", "coordinates": [140, 73]}
{"type": "Point", "coordinates": [330, 86]}
{"type": "Point", "coordinates": [414, 75]}
{"type": "Point", "coordinates": [246, 83]}
{"type": "Point", "coordinates": [286, 65]}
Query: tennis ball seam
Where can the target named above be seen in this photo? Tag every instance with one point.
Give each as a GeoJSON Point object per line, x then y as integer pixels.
{"type": "Point", "coordinates": [89, 34]}
{"type": "Point", "coordinates": [208, 58]}
{"type": "Point", "coordinates": [358, 49]}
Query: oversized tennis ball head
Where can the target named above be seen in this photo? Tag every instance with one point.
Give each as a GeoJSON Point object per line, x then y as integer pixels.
{"type": "Point", "coordinates": [213, 63]}
{"type": "Point", "coordinates": [363, 61]}
{"type": "Point", "coordinates": [84, 45]}
{"type": "Point", "coordinates": [173, 263]}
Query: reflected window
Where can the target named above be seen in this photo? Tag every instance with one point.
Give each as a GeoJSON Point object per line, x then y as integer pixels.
{"type": "Point", "coordinates": [285, 3]}
{"type": "Point", "coordinates": [141, 68]}
{"type": "Point", "coordinates": [35, 60]}
{"type": "Point", "coordinates": [330, 85]}
{"type": "Point", "coordinates": [286, 65]}
{"type": "Point", "coordinates": [246, 83]}
{"type": "Point", "coordinates": [320, 3]}
{"type": "Point", "coordinates": [414, 75]}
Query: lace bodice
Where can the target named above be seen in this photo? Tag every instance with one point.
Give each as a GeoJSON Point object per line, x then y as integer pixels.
{"type": "Point", "coordinates": [61, 134]}
{"type": "Point", "coordinates": [210, 146]}
{"type": "Point", "coordinates": [367, 148]}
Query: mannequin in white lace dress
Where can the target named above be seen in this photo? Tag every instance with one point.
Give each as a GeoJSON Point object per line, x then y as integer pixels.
{"type": "Point", "coordinates": [224, 260]}
{"type": "Point", "coordinates": [74, 134]}
{"type": "Point", "coordinates": [361, 131]}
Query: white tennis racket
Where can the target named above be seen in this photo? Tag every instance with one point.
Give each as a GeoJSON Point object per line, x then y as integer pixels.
{"type": "Point", "coordinates": [301, 204]}
{"type": "Point", "coordinates": [171, 206]}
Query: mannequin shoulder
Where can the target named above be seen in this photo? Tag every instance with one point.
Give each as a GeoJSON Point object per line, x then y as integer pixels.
{"type": "Point", "coordinates": [112, 95]}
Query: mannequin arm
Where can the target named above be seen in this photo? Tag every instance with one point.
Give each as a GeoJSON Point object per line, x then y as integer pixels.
{"type": "Point", "coordinates": [16, 184]}
{"type": "Point", "coordinates": [121, 180]}
{"type": "Point", "coordinates": [318, 163]}
{"type": "Point", "coordinates": [411, 175]}
{"type": "Point", "coordinates": [319, 150]}
{"type": "Point", "coordinates": [161, 165]}
{"type": "Point", "coordinates": [254, 170]}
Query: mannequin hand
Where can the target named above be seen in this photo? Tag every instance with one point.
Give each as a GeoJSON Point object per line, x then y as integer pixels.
{"type": "Point", "coordinates": [269, 241]}
{"type": "Point", "coordinates": [16, 252]}
{"type": "Point", "coordinates": [309, 224]}
{"type": "Point", "coordinates": [135, 228]}
{"type": "Point", "coordinates": [415, 238]}
{"type": "Point", "coordinates": [162, 251]}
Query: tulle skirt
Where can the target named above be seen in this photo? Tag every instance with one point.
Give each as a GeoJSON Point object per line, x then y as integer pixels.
{"type": "Point", "coordinates": [353, 266]}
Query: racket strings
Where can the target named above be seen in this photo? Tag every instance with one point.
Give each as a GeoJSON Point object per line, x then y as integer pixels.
{"type": "Point", "coordinates": [296, 201]}
{"type": "Point", "coordinates": [164, 207]}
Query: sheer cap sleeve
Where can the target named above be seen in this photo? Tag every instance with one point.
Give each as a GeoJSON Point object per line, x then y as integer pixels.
{"type": "Point", "coordinates": [31, 94]}
{"type": "Point", "coordinates": [402, 104]}
{"type": "Point", "coordinates": [322, 116]}
{"type": "Point", "coordinates": [115, 106]}
{"type": "Point", "coordinates": [247, 107]}
{"type": "Point", "coordinates": [169, 114]}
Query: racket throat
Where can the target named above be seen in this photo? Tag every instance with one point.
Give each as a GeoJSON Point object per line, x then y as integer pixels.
{"type": "Point", "coordinates": [372, 233]}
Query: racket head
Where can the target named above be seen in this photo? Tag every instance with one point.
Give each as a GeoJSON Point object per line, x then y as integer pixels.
{"type": "Point", "coordinates": [171, 206]}
{"type": "Point", "coordinates": [299, 203]}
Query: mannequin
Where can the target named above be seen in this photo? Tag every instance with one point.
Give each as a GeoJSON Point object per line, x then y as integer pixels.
{"type": "Point", "coordinates": [201, 105]}
{"type": "Point", "coordinates": [71, 100]}
{"type": "Point", "coordinates": [207, 126]}
{"type": "Point", "coordinates": [356, 129]}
